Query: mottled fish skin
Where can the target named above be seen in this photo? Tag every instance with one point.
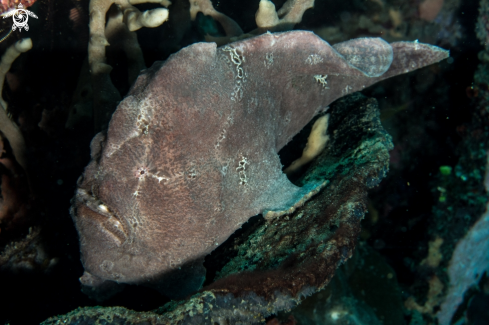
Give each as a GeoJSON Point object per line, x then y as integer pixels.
{"type": "Point", "coordinates": [191, 153]}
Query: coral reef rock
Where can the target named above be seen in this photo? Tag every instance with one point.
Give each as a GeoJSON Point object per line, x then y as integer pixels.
{"type": "Point", "coordinates": [191, 152]}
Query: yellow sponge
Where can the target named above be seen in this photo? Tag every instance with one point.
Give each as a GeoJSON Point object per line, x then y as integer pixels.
{"type": "Point", "coordinates": [315, 144]}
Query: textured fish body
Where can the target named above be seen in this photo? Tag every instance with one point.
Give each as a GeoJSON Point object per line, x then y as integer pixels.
{"type": "Point", "coordinates": [191, 153]}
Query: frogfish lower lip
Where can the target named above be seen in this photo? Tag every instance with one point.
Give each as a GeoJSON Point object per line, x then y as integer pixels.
{"type": "Point", "coordinates": [93, 211]}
